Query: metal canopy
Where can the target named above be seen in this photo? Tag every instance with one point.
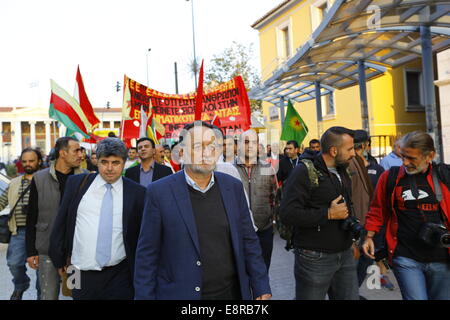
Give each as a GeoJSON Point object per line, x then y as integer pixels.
{"type": "Point", "coordinates": [381, 33]}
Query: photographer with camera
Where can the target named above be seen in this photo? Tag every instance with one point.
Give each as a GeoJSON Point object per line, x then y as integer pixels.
{"type": "Point", "coordinates": [413, 202]}
{"type": "Point", "coordinates": [317, 203]}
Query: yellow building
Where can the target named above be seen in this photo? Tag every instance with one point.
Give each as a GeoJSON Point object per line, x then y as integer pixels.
{"type": "Point", "coordinates": [395, 95]}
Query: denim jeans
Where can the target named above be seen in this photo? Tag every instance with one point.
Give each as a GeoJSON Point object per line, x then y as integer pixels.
{"type": "Point", "coordinates": [16, 258]}
{"type": "Point", "coordinates": [422, 281]}
{"type": "Point", "coordinates": [319, 273]}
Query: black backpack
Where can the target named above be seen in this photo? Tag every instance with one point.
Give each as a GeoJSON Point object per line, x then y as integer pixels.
{"type": "Point", "coordinates": [286, 231]}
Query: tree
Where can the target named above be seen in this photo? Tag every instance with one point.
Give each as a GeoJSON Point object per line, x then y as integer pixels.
{"type": "Point", "coordinates": [234, 61]}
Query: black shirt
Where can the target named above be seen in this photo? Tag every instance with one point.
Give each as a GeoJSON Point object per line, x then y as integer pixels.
{"type": "Point", "coordinates": [412, 214]}
{"type": "Point", "coordinates": [216, 250]}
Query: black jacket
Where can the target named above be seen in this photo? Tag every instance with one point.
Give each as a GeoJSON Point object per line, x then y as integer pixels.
{"type": "Point", "coordinates": [306, 208]}
{"type": "Point", "coordinates": [61, 238]}
{"type": "Point", "coordinates": [285, 168]}
{"type": "Point", "coordinates": [160, 171]}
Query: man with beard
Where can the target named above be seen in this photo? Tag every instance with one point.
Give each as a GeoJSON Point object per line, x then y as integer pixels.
{"type": "Point", "coordinates": [414, 202]}
{"type": "Point", "coordinates": [47, 189]}
{"type": "Point", "coordinates": [197, 240]}
{"type": "Point", "coordinates": [316, 202]}
{"type": "Point", "coordinates": [17, 196]}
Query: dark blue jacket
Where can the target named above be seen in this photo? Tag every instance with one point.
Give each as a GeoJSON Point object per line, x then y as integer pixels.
{"type": "Point", "coordinates": [61, 238]}
{"type": "Point", "coordinates": [168, 260]}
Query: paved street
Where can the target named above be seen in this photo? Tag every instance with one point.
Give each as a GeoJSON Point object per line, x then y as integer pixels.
{"type": "Point", "coordinates": [281, 275]}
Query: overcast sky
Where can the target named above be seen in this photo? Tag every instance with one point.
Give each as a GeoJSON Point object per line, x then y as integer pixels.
{"type": "Point", "coordinates": [47, 39]}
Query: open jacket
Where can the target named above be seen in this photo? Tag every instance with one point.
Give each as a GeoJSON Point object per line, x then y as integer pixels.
{"type": "Point", "coordinates": [379, 213]}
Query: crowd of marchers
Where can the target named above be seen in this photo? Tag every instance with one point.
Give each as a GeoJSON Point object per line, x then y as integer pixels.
{"type": "Point", "coordinates": [197, 220]}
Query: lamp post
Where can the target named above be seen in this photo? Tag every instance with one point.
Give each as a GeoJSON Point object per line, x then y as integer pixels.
{"type": "Point", "coordinates": [193, 41]}
{"type": "Point", "coordinates": [146, 59]}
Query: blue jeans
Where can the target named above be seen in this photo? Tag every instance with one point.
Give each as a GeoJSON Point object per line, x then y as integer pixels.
{"type": "Point", "coordinates": [16, 258]}
{"type": "Point", "coordinates": [319, 273]}
{"type": "Point", "coordinates": [422, 281]}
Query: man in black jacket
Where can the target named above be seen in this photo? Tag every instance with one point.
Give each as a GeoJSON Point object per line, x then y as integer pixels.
{"type": "Point", "coordinates": [148, 170]}
{"type": "Point", "coordinates": [316, 201]}
{"type": "Point", "coordinates": [288, 163]}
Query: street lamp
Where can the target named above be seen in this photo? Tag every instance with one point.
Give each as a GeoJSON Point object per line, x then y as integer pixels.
{"type": "Point", "coordinates": [146, 58]}
{"type": "Point", "coordinates": [193, 41]}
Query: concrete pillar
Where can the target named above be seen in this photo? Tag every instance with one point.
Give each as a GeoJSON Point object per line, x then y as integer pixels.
{"type": "Point", "coordinates": [282, 116]}
{"type": "Point", "coordinates": [363, 95]}
{"type": "Point", "coordinates": [32, 133]}
{"type": "Point", "coordinates": [48, 137]}
{"type": "Point", "coordinates": [17, 137]}
{"type": "Point", "coordinates": [62, 130]}
{"type": "Point", "coordinates": [428, 85]}
{"type": "Point", "coordinates": [318, 108]}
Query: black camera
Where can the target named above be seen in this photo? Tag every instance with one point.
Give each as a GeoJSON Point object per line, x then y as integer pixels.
{"type": "Point", "coordinates": [351, 223]}
{"type": "Point", "coordinates": [435, 234]}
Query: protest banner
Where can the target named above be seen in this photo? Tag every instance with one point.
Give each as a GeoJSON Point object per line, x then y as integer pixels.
{"type": "Point", "coordinates": [228, 101]}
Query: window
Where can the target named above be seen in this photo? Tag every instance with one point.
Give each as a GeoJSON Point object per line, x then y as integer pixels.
{"type": "Point", "coordinates": [287, 43]}
{"type": "Point", "coordinates": [322, 10]}
{"type": "Point", "coordinates": [414, 90]}
{"type": "Point", "coordinates": [284, 41]}
{"type": "Point", "coordinates": [318, 11]}
{"type": "Point", "coordinates": [328, 106]}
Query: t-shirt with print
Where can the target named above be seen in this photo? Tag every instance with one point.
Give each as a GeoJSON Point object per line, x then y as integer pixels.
{"type": "Point", "coordinates": [412, 214]}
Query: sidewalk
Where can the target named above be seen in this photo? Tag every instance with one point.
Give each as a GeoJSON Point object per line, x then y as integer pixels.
{"type": "Point", "coordinates": [281, 278]}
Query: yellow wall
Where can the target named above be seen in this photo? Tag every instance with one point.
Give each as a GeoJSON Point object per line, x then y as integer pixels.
{"type": "Point", "coordinates": [386, 97]}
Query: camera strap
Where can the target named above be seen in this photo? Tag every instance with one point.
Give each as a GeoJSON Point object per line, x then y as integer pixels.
{"type": "Point", "coordinates": [437, 186]}
{"type": "Point", "coordinates": [438, 193]}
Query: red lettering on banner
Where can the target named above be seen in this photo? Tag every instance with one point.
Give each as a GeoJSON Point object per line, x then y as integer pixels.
{"type": "Point", "coordinates": [229, 101]}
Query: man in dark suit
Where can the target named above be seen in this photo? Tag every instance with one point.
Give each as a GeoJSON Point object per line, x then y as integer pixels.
{"type": "Point", "coordinates": [149, 170]}
{"type": "Point", "coordinates": [197, 240]}
{"type": "Point", "coordinates": [288, 163]}
{"type": "Point", "coordinates": [97, 227]}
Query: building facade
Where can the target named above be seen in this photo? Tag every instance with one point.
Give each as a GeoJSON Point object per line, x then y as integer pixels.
{"type": "Point", "coordinates": [395, 99]}
{"type": "Point", "coordinates": [22, 127]}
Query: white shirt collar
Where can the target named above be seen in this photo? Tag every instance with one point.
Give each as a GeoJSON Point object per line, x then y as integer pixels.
{"type": "Point", "coordinates": [194, 184]}
{"type": "Point", "coordinates": [99, 182]}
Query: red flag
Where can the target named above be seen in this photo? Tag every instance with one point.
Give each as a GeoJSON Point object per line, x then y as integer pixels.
{"type": "Point", "coordinates": [81, 96]}
{"type": "Point", "coordinates": [199, 97]}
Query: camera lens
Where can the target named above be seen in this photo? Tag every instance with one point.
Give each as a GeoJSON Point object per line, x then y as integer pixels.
{"type": "Point", "coordinates": [445, 240]}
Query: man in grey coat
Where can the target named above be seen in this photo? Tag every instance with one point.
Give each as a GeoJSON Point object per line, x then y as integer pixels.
{"type": "Point", "coordinates": [259, 184]}
{"type": "Point", "coordinates": [47, 188]}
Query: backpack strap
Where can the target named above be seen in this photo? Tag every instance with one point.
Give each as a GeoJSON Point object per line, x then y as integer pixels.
{"type": "Point", "coordinates": [313, 173]}
{"type": "Point", "coordinates": [390, 184]}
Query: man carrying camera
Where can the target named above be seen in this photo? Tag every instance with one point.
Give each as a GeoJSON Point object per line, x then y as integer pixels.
{"type": "Point", "coordinates": [317, 202]}
{"type": "Point", "coordinates": [414, 202]}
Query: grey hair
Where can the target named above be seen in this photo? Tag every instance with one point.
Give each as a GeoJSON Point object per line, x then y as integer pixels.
{"type": "Point", "coordinates": [418, 140]}
{"type": "Point", "coordinates": [111, 147]}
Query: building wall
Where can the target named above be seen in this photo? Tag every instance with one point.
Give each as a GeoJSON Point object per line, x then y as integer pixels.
{"type": "Point", "coordinates": [386, 94]}
{"type": "Point", "coordinates": [443, 83]}
{"type": "Point", "coordinates": [16, 132]}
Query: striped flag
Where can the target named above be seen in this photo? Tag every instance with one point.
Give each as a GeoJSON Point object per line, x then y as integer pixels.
{"type": "Point", "coordinates": [65, 109]}
{"type": "Point", "coordinates": [82, 98]}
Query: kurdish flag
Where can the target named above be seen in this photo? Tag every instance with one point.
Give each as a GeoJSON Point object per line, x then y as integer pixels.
{"type": "Point", "coordinates": [65, 109]}
{"type": "Point", "coordinates": [294, 128]}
